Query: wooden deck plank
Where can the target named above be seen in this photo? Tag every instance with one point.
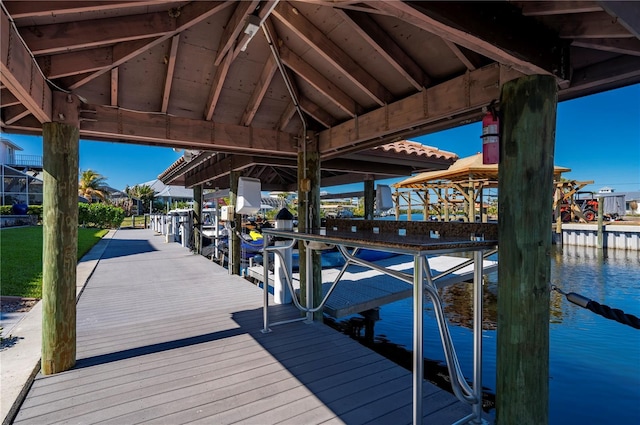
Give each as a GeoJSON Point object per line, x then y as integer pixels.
{"type": "Point", "coordinates": [165, 336]}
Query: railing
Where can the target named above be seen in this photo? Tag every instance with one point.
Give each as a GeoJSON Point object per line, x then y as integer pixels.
{"type": "Point", "coordinates": [25, 160]}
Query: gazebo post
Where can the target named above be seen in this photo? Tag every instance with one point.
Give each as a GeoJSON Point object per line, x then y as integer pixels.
{"type": "Point", "coordinates": [369, 197]}
{"type": "Point", "coordinates": [234, 239]}
{"type": "Point", "coordinates": [60, 235]}
{"type": "Point", "coordinates": [528, 107]}
{"type": "Point", "coordinates": [309, 216]}
{"type": "Point", "coordinates": [197, 213]}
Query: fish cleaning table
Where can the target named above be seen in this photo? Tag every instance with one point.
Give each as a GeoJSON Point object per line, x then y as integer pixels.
{"type": "Point", "coordinates": [419, 240]}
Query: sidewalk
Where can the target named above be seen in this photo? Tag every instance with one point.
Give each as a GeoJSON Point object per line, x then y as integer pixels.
{"type": "Point", "coordinates": [20, 363]}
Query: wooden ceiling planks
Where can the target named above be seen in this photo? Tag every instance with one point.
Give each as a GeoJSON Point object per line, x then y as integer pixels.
{"type": "Point", "coordinates": [363, 73]}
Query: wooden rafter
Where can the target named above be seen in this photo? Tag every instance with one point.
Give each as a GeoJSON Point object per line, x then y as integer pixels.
{"type": "Point", "coordinates": [377, 38]}
{"type": "Point", "coordinates": [318, 81]}
{"type": "Point", "coordinates": [546, 8]}
{"type": "Point", "coordinates": [171, 66]}
{"type": "Point", "coordinates": [233, 29]}
{"type": "Point", "coordinates": [88, 61]}
{"type": "Point", "coordinates": [591, 25]}
{"type": "Point", "coordinates": [286, 116]}
{"type": "Point", "coordinates": [21, 75]}
{"type": "Point", "coordinates": [626, 13]}
{"type": "Point", "coordinates": [7, 98]}
{"type": "Point", "coordinates": [216, 87]}
{"type": "Point", "coordinates": [473, 26]}
{"type": "Point", "coordinates": [114, 86]}
{"type": "Point", "coordinates": [57, 38]}
{"type": "Point", "coordinates": [316, 112]}
{"type": "Point", "coordinates": [190, 15]}
{"type": "Point", "coordinates": [14, 114]}
{"type": "Point", "coordinates": [260, 90]}
{"type": "Point", "coordinates": [623, 46]}
{"type": "Point", "coordinates": [332, 53]}
{"type": "Point", "coordinates": [33, 9]}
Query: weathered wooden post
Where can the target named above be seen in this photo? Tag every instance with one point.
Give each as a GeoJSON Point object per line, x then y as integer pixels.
{"type": "Point", "coordinates": [234, 240]}
{"type": "Point", "coordinates": [369, 198]}
{"type": "Point", "coordinates": [600, 241]}
{"type": "Point", "coordinates": [197, 213]}
{"type": "Point", "coordinates": [557, 200]}
{"type": "Point", "coordinates": [60, 235]}
{"type": "Point", "coordinates": [309, 215]}
{"type": "Point", "coordinates": [528, 119]}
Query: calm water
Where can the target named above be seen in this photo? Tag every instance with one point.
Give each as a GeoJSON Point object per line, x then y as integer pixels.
{"type": "Point", "coordinates": [594, 361]}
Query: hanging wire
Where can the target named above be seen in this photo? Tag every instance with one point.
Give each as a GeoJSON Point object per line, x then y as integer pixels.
{"type": "Point", "coordinates": [603, 310]}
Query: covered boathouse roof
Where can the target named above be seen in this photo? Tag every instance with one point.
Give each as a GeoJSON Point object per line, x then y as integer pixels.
{"type": "Point", "coordinates": [397, 159]}
{"type": "Point", "coordinates": [464, 169]}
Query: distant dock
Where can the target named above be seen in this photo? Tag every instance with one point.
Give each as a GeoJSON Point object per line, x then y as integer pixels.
{"type": "Point", "coordinates": [615, 236]}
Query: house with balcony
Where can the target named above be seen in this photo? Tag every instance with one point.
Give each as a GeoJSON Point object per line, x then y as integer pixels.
{"type": "Point", "coordinates": [18, 175]}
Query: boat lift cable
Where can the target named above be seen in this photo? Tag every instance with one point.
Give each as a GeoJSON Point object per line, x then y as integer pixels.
{"type": "Point", "coordinates": [603, 310]}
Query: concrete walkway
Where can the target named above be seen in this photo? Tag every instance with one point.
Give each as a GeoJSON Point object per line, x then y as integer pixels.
{"type": "Point", "coordinates": [20, 363]}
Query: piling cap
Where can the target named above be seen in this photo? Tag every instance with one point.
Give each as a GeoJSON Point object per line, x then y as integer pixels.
{"type": "Point", "coordinates": [284, 214]}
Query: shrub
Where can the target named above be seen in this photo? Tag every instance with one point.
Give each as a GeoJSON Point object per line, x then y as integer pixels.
{"type": "Point", "coordinates": [100, 215]}
{"type": "Point", "coordinates": [32, 210]}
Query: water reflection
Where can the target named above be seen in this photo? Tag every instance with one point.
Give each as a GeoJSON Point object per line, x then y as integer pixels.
{"type": "Point", "coordinates": [594, 362]}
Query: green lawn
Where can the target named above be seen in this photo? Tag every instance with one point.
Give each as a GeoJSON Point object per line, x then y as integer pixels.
{"type": "Point", "coordinates": [21, 258]}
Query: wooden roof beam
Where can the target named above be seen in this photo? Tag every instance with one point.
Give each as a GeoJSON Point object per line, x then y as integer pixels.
{"type": "Point", "coordinates": [459, 96]}
{"type": "Point", "coordinates": [171, 67]}
{"type": "Point", "coordinates": [626, 13]}
{"type": "Point", "coordinates": [332, 53]}
{"type": "Point", "coordinates": [21, 75]}
{"type": "Point", "coordinates": [234, 28]}
{"type": "Point", "coordinates": [378, 38]}
{"type": "Point", "coordinates": [115, 75]}
{"type": "Point", "coordinates": [191, 14]}
{"type": "Point", "coordinates": [325, 86]}
{"type": "Point", "coordinates": [268, 71]}
{"type": "Point", "coordinates": [623, 46]}
{"type": "Point", "coordinates": [107, 123]}
{"type": "Point", "coordinates": [316, 112]}
{"type": "Point", "coordinates": [547, 8]}
{"type": "Point", "coordinates": [620, 72]}
{"type": "Point", "coordinates": [216, 87]}
{"type": "Point", "coordinates": [89, 60]}
{"type": "Point", "coordinates": [591, 25]}
{"type": "Point", "coordinates": [7, 98]}
{"type": "Point", "coordinates": [65, 37]}
{"type": "Point", "coordinates": [472, 25]}
{"type": "Point", "coordinates": [34, 9]}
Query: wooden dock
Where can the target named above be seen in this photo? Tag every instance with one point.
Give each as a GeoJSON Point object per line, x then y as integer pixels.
{"type": "Point", "coordinates": [165, 336]}
{"type": "Point", "coordinates": [361, 289]}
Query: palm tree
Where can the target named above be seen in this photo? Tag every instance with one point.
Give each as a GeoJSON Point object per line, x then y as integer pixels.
{"type": "Point", "coordinates": [143, 193]}
{"type": "Point", "coordinates": [90, 185]}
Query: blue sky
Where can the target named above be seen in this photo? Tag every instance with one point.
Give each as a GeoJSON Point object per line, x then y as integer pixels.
{"type": "Point", "coordinates": [597, 136]}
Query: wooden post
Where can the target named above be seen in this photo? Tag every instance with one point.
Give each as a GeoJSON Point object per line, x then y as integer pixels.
{"type": "Point", "coordinates": [471, 196]}
{"type": "Point", "coordinates": [528, 118]}
{"type": "Point", "coordinates": [309, 216]}
{"type": "Point", "coordinates": [235, 255]}
{"type": "Point", "coordinates": [60, 236]}
{"type": "Point", "coordinates": [197, 213]}
{"type": "Point", "coordinates": [558, 203]}
{"type": "Point", "coordinates": [396, 200]}
{"type": "Point", "coordinates": [446, 204]}
{"type": "Point", "coordinates": [369, 198]}
{"type": "Point", "coordinates": [600, 223]}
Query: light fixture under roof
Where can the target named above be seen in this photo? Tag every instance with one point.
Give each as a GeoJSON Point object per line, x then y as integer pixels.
{"type": "Point", "coordinates": [250, 29]}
